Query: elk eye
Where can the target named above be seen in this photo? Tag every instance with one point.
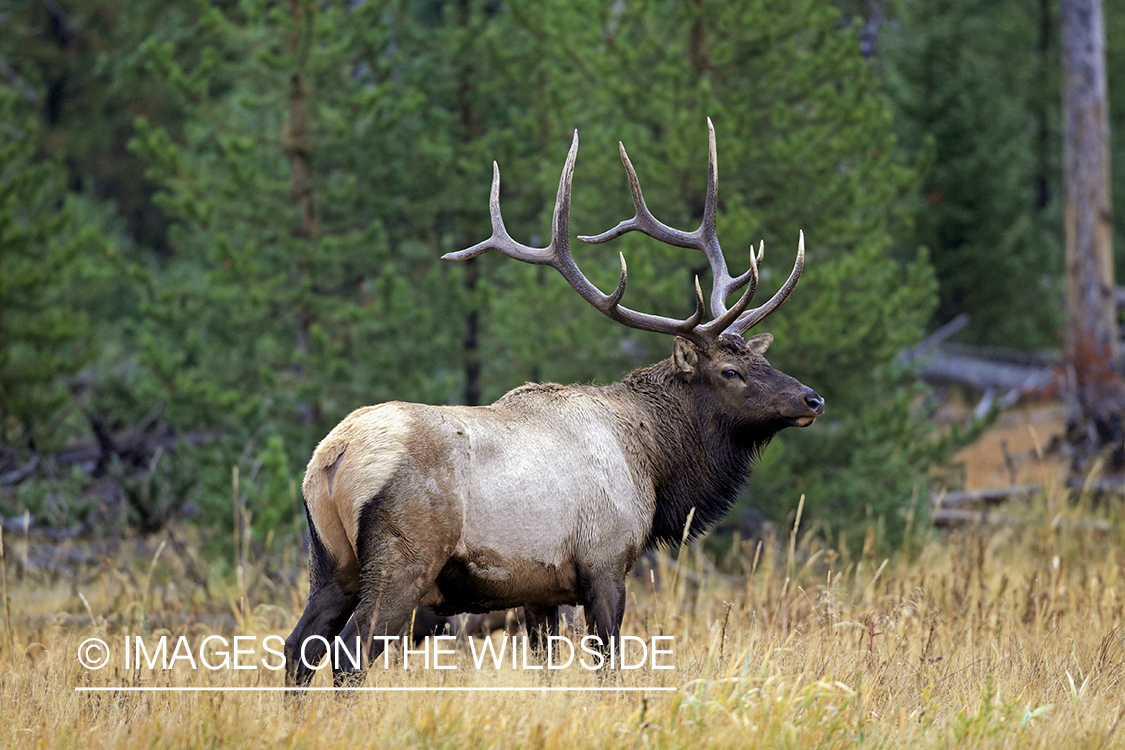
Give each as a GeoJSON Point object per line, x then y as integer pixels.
{"type": "Point", "coordinates": [730, 373]}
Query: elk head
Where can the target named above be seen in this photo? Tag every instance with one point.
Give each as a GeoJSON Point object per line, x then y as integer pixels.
{"type": "Point", "coordinates": [734, 376]}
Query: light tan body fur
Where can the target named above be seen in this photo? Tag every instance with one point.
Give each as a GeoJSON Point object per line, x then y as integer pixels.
{"type": "Point", "coordinates": [513, 462]}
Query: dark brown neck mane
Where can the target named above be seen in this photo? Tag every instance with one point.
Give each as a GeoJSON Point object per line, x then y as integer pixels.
{"type": "Point", "coordinates": [700, 459]}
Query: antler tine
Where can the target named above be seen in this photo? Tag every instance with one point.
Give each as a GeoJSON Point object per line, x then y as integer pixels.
{"type": "Point", "coordinates": [643, 220]}
{"type": "Point", "coordinates": [721, 282]}
{"type": "Point", "coordinates": [751, 318]}
{"type": "Point", "coordinates": [557, 255]}
{"type": "Point", "coordinates": [500, 239]}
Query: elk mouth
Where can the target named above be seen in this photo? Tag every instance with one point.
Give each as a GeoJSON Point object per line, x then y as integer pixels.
{"type": "Point", "coordinates": [813, 408]}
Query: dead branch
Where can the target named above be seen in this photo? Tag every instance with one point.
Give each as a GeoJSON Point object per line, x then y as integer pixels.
{"type": "Point", "coordinates": [946, 517]}
{"type": "Point", "coordinates": [989, 497]}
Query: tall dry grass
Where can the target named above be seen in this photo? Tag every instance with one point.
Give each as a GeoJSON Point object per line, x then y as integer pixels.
{"type": "Point", "coordinates": [988, 637]}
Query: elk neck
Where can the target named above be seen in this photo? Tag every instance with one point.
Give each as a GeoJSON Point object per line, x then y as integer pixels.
{"type": "Point", "coordinates": [695, 455]}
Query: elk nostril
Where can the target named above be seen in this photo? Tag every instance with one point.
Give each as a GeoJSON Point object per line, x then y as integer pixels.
{"type": "Point", "coordinates": [815, 402]}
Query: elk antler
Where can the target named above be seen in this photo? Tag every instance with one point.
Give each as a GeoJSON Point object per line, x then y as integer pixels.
{"type": "Point", "coordinates": [734, 320]}
{"type": "Point", "coordinates": [557, 255]}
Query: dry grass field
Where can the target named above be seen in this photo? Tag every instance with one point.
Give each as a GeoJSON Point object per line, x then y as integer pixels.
{"type": "Point", "coordinates": [1006, 637]}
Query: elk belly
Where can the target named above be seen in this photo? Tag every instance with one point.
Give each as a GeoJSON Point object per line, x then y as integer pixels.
{"type": "Point", "coordinates": [480, 581]}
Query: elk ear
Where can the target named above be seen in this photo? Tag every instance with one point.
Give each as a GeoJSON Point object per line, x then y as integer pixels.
{"type": "Point", "coordinates": [758, 344]}
{"type": "Point", "coordinates": [685, 356]}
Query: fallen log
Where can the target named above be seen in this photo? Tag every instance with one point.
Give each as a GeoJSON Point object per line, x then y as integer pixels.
{"type": "Point", "coordinates": [987, 497]}
{"type": "Point", "coordinates": [18, 475]}
{"type": "Point", "coordinates": [946, 368]}
{"type": "Point", "coordinates": [946, 517]}
{"type": "Point", "coordinates": [133, 444]}
{"type": "Point", "coordinates": [985, 369]}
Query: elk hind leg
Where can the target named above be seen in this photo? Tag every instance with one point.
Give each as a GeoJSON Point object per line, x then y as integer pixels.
{"type": "Point", "coordinates": [396, 571]}
{"type": "Point", "coordinates": [333, 596]}
{"type": "Point", "coordinates": [384, 613]}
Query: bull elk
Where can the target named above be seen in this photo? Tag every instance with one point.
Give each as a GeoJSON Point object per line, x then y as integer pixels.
{"type": "Point", "coordinates": [548, 496]}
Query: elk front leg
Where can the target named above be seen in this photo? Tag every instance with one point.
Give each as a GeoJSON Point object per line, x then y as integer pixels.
{"type": "Point", "coordinates": [541, 622]}
{"type": "Point", "coordinates": [605, 608]}
{"type": "Point", "coordinates": [333, 595]}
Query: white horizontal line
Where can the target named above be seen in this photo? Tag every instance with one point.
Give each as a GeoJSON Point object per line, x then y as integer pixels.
{"type": "Point", "coordinates": [220, 689]}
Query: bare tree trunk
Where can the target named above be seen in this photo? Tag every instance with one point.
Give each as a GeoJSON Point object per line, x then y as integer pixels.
{"type": "Point", "coordinates": [1092, 346]}
{"type": "Point", "coordinates": [1042, 114]}
{"type": "Point", "coordinates": [298, 146]}
{"type": "Point", "coordinates": [869, 36]}
{"type": "Point", "coordinates": [471, 342]}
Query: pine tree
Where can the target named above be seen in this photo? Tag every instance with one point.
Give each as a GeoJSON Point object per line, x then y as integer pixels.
{"type": "Point", "coordinates": [967, 83]}
{"type": "Point", "coordinates": [281, 308]}
{"type": "Point", "coordinates": [43, 335]}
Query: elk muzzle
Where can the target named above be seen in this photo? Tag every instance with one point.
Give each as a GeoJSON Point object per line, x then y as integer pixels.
{"type": "Point", "coordinates": [813, 405]}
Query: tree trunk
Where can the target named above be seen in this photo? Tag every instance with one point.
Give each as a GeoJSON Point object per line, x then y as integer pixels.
{"type": "Point", "coordinates": [1091, 315]}
{"type": "Point", "coordinates": [1042, 113]}
{"type": "Point", "coordinates": [471, 341]}
{"type": "Point", "coordinates": [298, 146]}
